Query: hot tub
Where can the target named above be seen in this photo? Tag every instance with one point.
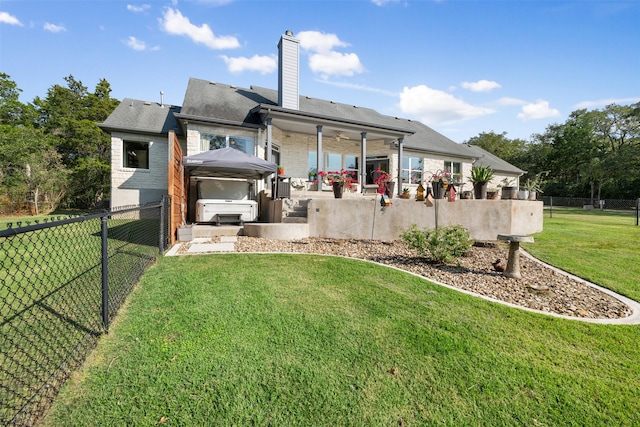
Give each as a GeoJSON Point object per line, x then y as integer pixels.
{"type": "Point", "coordinates": [207, 210]}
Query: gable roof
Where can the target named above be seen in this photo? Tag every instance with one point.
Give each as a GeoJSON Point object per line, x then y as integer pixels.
{"type": "Point", "coordinates": [485, 158]}
{"type": "Point", "coordinates": [222, 104]}
{"type": "Point", "coordinates": [219, 103]}
{"type": "Point", "coordinates": [132, 115]}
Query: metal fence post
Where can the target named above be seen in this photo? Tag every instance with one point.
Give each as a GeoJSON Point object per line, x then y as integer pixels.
{"type": "Point", "coordinates": [637, 210]}
{"type": "Point", "coordinates": [550, 206]}
{"type": "Point", "coordinates": [161, 243]}
{"type": "Point", "coordinates": [105, 274]}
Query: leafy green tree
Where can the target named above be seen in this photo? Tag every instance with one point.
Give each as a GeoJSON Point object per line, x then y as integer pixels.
{"type": "Point", "coordinates": [71, 114]}
{"type": "Point", "coordinates": [499, 145]}
{"type": "Point", "coordinates": [12, 111]}
{"type": "Point", "coordinates": [32, 176]}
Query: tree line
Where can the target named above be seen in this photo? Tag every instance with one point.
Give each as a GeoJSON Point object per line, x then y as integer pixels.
{"type": "Point", "coordinates": [593, 154]}
{"type": "Point", "coordinates": [53, 154]}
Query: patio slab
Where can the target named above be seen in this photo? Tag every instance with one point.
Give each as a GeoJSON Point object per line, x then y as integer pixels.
{"type": "Point", "coordinates": [198, 248]}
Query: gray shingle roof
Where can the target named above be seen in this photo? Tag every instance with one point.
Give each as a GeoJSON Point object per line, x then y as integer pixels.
{"type": "Point", "coordinates": [485, 158]}
{"type": "Point", "coordinates": [216, 102]}
{"type": "Point", "coordinates": [143, 117]}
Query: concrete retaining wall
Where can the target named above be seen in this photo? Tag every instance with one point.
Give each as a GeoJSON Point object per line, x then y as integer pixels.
{"type": "Point", "coordinates": [364, 218]}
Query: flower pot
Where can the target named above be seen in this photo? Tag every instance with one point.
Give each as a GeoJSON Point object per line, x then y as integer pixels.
{"type": "Point", "coordinates": [532, 195]}
{"type": "Point", "coordinates": [338, 188]}
{"type": "Point", "coordinates": [480, 190]}
{"type": "Point", "coordinates": [438, 189]}
{"type": "Point", "coordinates": [465, 195]}
{"type": "Point", "coordinates": [523, 194]}
{"type": "Point", "coordinates": [509, 193]}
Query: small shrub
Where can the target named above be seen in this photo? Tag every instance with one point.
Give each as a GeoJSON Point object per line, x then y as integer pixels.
{"type": "Point", "coordinates": [442, 244]}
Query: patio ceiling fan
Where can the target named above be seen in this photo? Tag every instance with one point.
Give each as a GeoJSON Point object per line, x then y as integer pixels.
{"type": "Point", "coordinates": [340, 135]}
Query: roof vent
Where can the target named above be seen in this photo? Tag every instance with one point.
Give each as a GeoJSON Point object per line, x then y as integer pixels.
{"type": "Point", "coordinates": [147, 103]}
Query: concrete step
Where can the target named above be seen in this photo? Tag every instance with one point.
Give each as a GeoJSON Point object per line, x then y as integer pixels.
{"type": "Point", "coordinates": [298, 214]}
{"type": "Point", "coordinates": [295, 220]}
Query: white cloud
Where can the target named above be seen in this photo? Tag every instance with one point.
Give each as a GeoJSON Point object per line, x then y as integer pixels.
{"type": "Point", "coordinates": [434, 106]}
{"type": "Point", "coordinates": [5, 18]}
{"type": "Point", "coordinates": [335, 63]}
{"type": "Point", "coordinates": [316, 41]}
{"type": "Point", "coordinates": [173, 22]}
{"type": "Point", "coordinates": [605, 102]}
{"type": "Point", "coordinates": [481, 86]}
{"type": "Point", "coordinates": [136, 44]}
{"type": "Point", "coordinates": [506, 101]}
{"type": "Point", "coordinates": [324, 60]}
{"type": "Point", "coordinates": [138, 9]}
{"type": "Point", "coordinates": [538, 110]}
{"type": "Point", "coordinates": [53, 28]}
{"type": "Point", "coordinates": [262, 64]}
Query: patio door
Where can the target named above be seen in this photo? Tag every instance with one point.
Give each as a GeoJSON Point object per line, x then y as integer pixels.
{"type": "Point", "coordinates": [374, 164]}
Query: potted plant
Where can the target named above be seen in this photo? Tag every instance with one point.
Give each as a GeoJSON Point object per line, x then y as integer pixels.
{"type": "Point", "coordinates": [312, 174]}
{"type": "Point", "coordinates": [338, 181]}
{"type": "Point", "coordinates": [493, 194]}
{"type": "Point", "coordinates": [533, 186]}
{"type": "Point", "coordinates": [509, 191]}
{"type": "Point", "coordinates": [439, 182]}
{"type": "Point", "coordinates": [480, 177]}
{"type": "Point", "coordinates": [383, 181]}
{"type": "Point", "coordinates": [406, 194]}
{"type": "Point", "coordinates": [280, 170]}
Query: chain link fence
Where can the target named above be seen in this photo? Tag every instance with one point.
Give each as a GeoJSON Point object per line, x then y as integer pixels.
{"type": "Point", "coordinates": [61, 283]}
{"type": "Point", "coordinates": [577, 202]}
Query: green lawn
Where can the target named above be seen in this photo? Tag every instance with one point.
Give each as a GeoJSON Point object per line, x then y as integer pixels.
{"type": "Point", "coordinates": [602, 247]}
{"type": "Point", "coordinates": [246, 339]}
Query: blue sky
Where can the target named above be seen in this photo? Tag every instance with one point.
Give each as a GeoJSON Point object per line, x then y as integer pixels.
{"type": "Point", "coordinates": [461, 67]}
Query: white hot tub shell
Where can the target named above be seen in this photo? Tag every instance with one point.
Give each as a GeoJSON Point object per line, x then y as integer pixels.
{"type": "Point", "coordinates": [207, 210]}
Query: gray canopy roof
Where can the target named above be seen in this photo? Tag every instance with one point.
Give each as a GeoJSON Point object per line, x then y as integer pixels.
{"type": "Point", "coordinates": [228, 163]}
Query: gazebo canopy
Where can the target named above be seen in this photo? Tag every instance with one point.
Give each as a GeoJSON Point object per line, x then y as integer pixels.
{"type": "Point", "coordinates": [228, 163]}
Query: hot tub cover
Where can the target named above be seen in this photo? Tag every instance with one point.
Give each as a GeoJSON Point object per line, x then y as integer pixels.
{"type": "Point", "coordinates": [228, 163]}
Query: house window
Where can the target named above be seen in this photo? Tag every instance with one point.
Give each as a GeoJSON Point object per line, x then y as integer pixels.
{"type": "Point", "coordinates": [312, 161]}
{"type": "Point", "coordinates": [411, 169]}
{"type": "Point", "coordinates": [242, 143]}
{"type": "Point", "coordinates": [334, 162]}
{"type": "Point", "coordinates": [210, 141]}
{"type": "Point", "coordinates": [455, 168]}
{"type": "Point", "coordinates": [136, 155]}
{"type": "Point", "coordinates": [351, 165]}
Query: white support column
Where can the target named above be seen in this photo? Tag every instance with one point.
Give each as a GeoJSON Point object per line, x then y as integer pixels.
{"type": "Point", "coordinates": [319, 159]}
{"type": "Point", "coordinates": [269, 141]}
{"type": "Point", "coordinates": [399, 185]}
{"type": "Point", "coordinates": [363, 160]}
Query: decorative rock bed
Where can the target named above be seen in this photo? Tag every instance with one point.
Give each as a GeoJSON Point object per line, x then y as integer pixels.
{"type": "Point", "coordinates": [540, 287]}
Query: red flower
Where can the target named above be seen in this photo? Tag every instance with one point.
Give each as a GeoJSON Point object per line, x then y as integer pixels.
{"type": "Point", "coordinates": [347, 177]}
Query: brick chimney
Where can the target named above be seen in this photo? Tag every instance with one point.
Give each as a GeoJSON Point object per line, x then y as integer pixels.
{"type": "Point", "coordinates": [288, 71]}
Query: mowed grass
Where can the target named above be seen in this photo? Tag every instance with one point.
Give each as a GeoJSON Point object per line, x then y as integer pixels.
{"type": "Point", "coordinates": [602, 247]}
{"type": "Point", "coordinates": [250, 339]}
